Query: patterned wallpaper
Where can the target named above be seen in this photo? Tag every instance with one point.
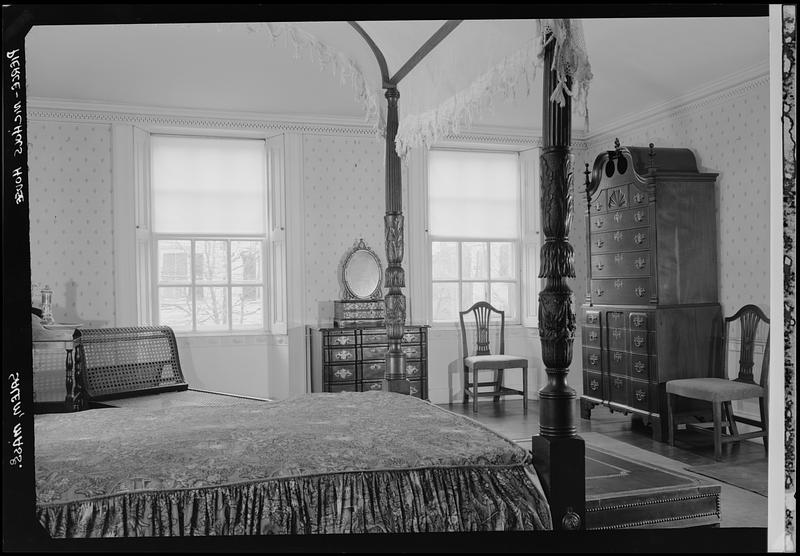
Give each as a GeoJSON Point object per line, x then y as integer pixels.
{"type": "Point", "coordinates": [344, 200]}
{"type": "Point", "coordinates": [71, 219]}
{"type": "Point", "coordinates": [730, 136]}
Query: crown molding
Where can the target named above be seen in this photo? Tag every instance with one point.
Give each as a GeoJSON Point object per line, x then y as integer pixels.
{"type": "Point", "coordinates": [723, 90]}
{"type": "Point", "coordinates": [53, 109]}
{"type": "Point", "coordinates": [87, 111]}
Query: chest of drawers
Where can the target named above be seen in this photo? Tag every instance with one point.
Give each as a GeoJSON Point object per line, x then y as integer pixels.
{"type": "Point", "coordinates": [354, 359]}
{"type": "Point", "coordinates": [651, 306]}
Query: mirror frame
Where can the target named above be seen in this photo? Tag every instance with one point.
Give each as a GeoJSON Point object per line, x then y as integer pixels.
{"type": "Point", "coordinates": [377, 293]}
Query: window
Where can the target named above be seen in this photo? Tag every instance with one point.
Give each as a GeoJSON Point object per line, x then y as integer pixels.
{"type": "Point", "coordinates": [209, 225]}
{"type": "Point", "coordinates": [474, 231]}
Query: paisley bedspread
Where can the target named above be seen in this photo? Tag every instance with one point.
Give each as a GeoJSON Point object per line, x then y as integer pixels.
{"type": "Point", "coordinates": [318, 463]}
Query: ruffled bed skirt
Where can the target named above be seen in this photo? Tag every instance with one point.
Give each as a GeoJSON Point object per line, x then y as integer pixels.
{"type": "Point", "coordinates": [411, 500]}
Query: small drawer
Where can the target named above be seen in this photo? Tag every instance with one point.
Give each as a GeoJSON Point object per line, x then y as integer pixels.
{"type": "Point", "coordinates": [373, 352]}
{"type": "Point", "coordinates": [641, 366]}
{"type": "Point", "coordinates": [599, 203]}
{"type": "Point", "coordinates": [374, 370]}
{"type": "Point", "coordinates": [413, 370]}
{"type": "Point", "coordinates": [618, 389]}
{"type": "Point", "coordinates": [411, 338]}
{"type": "Point", "coordinates": [638, 198]}
{"type": "Point", "coordinates": [643, 396]}
{"type": "Point", "coordinates": [636, 239]}
{"type": "Point", "coordinates": [640, 321]}
{"type": "Point", "coordinates": [621, 264]}
{"type": "Point", "coordinates": [615, 319]}
{"type": "Point", "coordinates": [412, 351]}
{"type": "Point", "coordinates": [340, 355]}
{"type": "Point", "coordinates": [593, 384]}
{"type": "Point", "coordinates": [640, 340]}
{"type": "Point", "coordinates": [340, 339]}
{"type": "Point", "coordinates": [342, 387]}
{"type": "Point", "coordinates": [591, 336]}
{"type": "Point", "coordinates": [415, 388]}
{"type": "Point", "coordinates": [371, 386]}
{"type": "Point", "coordinates": [374, 337]}
{"type": "Point", "coordinates": [616, 338]}
{"type": "Point", "coordinates": [628, 291]}
{"type": "Point", "coordinates": [592, 359]}
{"type": "Point", "coordinates": [620, 220]}
{"type": "Point", "coordinates": [592, 318]}
{"type": "Point", "coordinates": [340, 373]}
{"type": "Point", "coordinates": [618, 362]}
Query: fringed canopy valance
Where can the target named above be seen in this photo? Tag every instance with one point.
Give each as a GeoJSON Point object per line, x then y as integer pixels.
{"type": "Point", "coordinates": [477, 64]}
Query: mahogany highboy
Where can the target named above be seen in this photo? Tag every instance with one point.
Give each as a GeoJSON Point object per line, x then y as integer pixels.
{"type": "Point", "coordinates": [651, 310]}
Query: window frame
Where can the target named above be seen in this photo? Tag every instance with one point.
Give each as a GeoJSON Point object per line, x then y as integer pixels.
{"type": "Point", "coordinates": [528, 239]}
{"type": "Point", "coordinates": [133, 211]}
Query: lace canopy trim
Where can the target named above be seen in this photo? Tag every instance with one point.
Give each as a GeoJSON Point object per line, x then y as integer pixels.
{"type": "Point", "coordinates": [513, 76]}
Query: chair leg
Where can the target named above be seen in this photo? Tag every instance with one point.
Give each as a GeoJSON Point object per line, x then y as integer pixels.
{"type": "Point", "coordinates": [717, 409]}
{"type": "Point", "coordinates": [762, 408]}
{"type": "Point", "coordinates": [466, 385]}
{"type": "Point", "coordinates": [732, 428]}
{"type": "Point", "coordinates": [474, 390]}
{"type": "Point", "coordinates": [671, 418]}
{"type": "Point", "coordinates": [498, 383]}
{"type": "Point", "coordinates": [525, 390]}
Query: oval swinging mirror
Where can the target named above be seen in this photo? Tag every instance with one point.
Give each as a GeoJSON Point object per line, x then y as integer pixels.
{"type": "Point", "coordinates": [362, 273]}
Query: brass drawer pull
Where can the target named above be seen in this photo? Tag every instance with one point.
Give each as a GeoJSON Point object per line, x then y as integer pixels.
{"type": "Point", "coordinates": [343, 355]}
{"type": "Point", "coordinates": [619, 257]}
{"type": "Point", "coordinates": [413, 390]}
{"type": "Point", "coordinates": [598, 207]}
{"type": "Point", "coordinates": [411, 370]}
{"type": "Point", "coordinates": [617, 333]}
{"type": "Point", "coordinates": [638, 216]}
{"type": "Point", "coordinates": [599, 243]}
{"type": "Point", "coordinates": [594, 385]}
{"type": "Point", "coordinates": [591, 318]}
{"type": "Point", "coordinates": [617, 236]}
{"type": "Point", "coordinates": [638, 367]}
{"type": "Point", "coordinates": [639, 263]}
{"type": "Point", "coordinates": [618, 383]}
{"type": "Point", "coordinates": [638, 321]}
{"type": "Point", "coordinates": [342, 374]}
{"type": "Point", "coordinates": [375, 367]}
{"type": "Point", "coordinates": [639, 238]}
{"type": "Point", "coordinates": [639, 198]}
{"type": "Point", "coordinates": [640, 291]}
{"type": "Point", "coordinates": [617, 217]}
{"type": "Point", "coordinates": [593, 336]}
{"type": "Point", "coordinates": [599, 266]}
{"type": "Point", "coordinates": [599, 223]}
{"type": "Point", "coordinates": [617, 356]}
{"type": "Point", "coordinates": [343, 340]}
{"type": "Point", "coordinates": [618, 284]}
{"type": "Point", "coordinates": [593, 359]}
{"type": "Point", "coordinates": [375, 386]}
{"type": "Point", "coordinates": [599, 292]}
{"type": "Point", "coordinates": [638, 341]}
{"type": "Point", "coordinates": [640, 395]}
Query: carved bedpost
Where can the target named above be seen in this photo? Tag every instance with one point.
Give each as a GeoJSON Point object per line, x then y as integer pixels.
{"type": "Point", "coordinates": [395, 377]}
{"type": "Point", "coordinates": [558, 450]}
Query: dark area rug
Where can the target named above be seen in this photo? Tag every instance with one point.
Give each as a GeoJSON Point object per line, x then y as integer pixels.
{"type": "Point", "coordinates": [750, 476]}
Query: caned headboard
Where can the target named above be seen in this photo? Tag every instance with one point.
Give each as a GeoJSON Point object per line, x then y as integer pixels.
{"type": "Point", "coordinates": [121, 362]}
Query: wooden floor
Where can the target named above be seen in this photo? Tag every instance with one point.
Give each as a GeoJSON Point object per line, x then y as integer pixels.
{"type": "Point", "coordinates": [740, 508]}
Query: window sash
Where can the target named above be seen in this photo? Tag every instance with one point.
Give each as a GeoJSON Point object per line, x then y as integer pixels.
{"type": "Point", "coordinates": [516, 281]}
{"type": "Point", "coordinates": [193, 284]}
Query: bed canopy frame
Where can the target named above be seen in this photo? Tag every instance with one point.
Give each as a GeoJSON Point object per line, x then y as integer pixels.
{"type": "Point", "coordinates": [558, 450]}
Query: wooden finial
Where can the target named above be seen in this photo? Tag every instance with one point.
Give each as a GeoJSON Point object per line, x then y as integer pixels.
{"type": "Point", "coordinates": [652, 154]}
{"type": "Point", "coordinates": [616, 143]}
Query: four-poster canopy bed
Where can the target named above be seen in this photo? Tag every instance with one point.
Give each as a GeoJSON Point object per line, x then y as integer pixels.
{"type": "Point", "coordinates": [385, 465]}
